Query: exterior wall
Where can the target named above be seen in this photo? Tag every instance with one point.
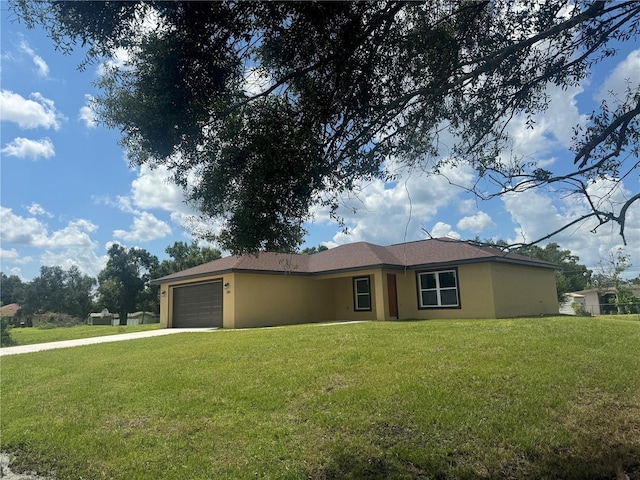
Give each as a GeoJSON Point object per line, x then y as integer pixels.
{"type": "Point", "coordinates": [592, 302]}
{"type": "Point", "coordinates": [523, 291]}
{"type": "Point", "coordinates": [486, 290]}
{"type": "Point", "coordinates": [342, 286]}
{"type": "Point", "coordinates": [265, 300]}
{"type": "Point", "coordinates": [164, 305]}
{"type": "Point", "coordinates": [566, 307]}
{"type": "Point", "coordinates": [475, 290]}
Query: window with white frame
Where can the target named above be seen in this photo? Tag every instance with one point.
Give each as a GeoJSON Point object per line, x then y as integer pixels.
{"type": "Point", "coordinates": [438, 289]}
{"type": "Point", "coordinates": [362, 294]}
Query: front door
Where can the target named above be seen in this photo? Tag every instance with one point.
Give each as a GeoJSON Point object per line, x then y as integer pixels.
{"type": "Point", "coordinates": [393, 295]}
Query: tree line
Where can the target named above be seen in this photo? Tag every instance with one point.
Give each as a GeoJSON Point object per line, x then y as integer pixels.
{"type": "Point", "coordinates": [122, 287]}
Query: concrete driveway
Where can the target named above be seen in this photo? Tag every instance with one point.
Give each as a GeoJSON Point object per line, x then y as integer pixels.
{"type": "Point", "coordinates": [90, 341]}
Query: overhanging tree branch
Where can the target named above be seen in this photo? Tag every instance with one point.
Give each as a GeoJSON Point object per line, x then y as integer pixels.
{"type": "Point", "coordinates": [354, 85]}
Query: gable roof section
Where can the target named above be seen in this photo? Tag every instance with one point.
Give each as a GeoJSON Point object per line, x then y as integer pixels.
{"type": "Point", "coordinates": [9, 310]}
{"type": "Point", "coordinates": [433, 253]}
{"type": "Point", "coordinates": [447, 251]}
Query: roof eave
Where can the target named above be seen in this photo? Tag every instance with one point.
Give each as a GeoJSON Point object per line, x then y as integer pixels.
{"type": "Point", "coordinates": [390, 266]}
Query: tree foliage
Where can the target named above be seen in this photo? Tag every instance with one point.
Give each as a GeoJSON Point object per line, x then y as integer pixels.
{"type": "Point", "coordinates": [312, 250]}
{"type": "Point", "coordinates": [123, 285]}
{"type": "Point", "coordinates": [60, 291]}
{"type": "Point", "coordinates": [183, 255]}
{"type": "Point", "coordinates": [11, 289]}
{"type": "Point", "coordinates": [276, 107]}
{"type": "Point", "coordinates": [6, 340]}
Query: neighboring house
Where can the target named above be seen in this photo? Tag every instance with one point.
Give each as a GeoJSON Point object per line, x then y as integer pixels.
{"type": "Point", "coordinates": [103, 318]}
{"type": "Point", "coordinates": [11, 313]}
{"type": "Point", "coordinates": [139, 318]}
{"type": "Point", "coordinates": [567, 306]}
{"type": "Point", "coordinates": [438, 278]}
{"type": "Point", "coordinates": [602, 301]}
{"type": "Point", "coordinates": [113, 319]}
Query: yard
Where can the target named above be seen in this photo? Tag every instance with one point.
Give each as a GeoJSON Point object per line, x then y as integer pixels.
{"type": "Point", "coordinates": [528, 398]}
{"type": "Point", "coordinates": [31, 336]}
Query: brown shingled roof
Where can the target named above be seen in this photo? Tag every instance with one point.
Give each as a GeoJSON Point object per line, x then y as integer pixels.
{"type": "Point", "coordinates": [9, 310]}
{"type": "Point", "coordinates": [358, 256]}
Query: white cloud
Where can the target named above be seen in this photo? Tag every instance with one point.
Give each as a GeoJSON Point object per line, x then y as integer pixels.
{"type": "Point", "coordinates": [154, 189]}
{"type": "Point", "coordinates": [36, 209]}
{"type": "Point", "coordinates": [476, 223]}
{"type": "Point", "coordinates": [41, 66]}
{"type": "Point", "coordinates": [256, 81]}
{"type": "Point", "coordinates": [87, 113]}
{"type": "Point", "coordinates": [625, 75]}
{"type": "Point", "coordinates": [441, 229]}
{"type": "Point", "coordinates": [19, 230]}
{"type": "Point", "coordinates": [538, 214]}
{"type": "Point", "coordinates": [85, 259]}
{"type": "Point", "coordinates": [387, 214]}
{"type": "Point", "coordinates": [468, 206]}
{"type": "Point", "coordinates": [17, 272]}
{"type": "Point", "coordinates": [13, 256]}
{"type": "Point", "coordinates": [146, 227]}
{"type": "Point", "coordinates": [26, 148]}
{"type": "Point", "coordinates": [119, 60]}
{"type": "Point", "coordinates": [70, 245]}
{"type": "Point", "coordinates": [551, 129]}
{"type": "Point", "coordinates": [74, 235]}
{"type": "Point", "coordinates": [125, 204]}
{"type": "Point", "coordinates": [36, 112]}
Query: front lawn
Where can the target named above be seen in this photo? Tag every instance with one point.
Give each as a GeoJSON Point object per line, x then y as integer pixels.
{"type": "Point", "coordinates": [33, 335]}
{"type": "Point", "coordinates": [487, 399]}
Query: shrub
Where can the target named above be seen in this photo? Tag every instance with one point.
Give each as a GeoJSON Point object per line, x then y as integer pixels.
{"type": "Point", "coordinates": [6, 340]}
{"type": "Point", "coordinates": [55, 320]}
{"type": "Point", "coordinates": [46, 326]}
{"type": "Point", "coordinates": [579, 309]}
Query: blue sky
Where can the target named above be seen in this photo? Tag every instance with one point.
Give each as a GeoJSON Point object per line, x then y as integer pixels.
{"type": "Point", "coordinates": [67, 191]}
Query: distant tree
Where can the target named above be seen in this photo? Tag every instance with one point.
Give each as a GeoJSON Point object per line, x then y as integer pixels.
{"type": "Point", "coordinates": [6, 340]}
{"type": "Point", "coordinates": [610, 269]}
{"type": "Point", "coordinates": [608, 277]}
{"type": "Point", "coordinates": [282, 106]}
{"type": "Point", "coordinates": [11, 289]}
{"type": "Point", "coordinates": [78, 298]}
{"type": "Point", "coordinates": [123, 281]}
{"type": "Point", "coordinates": [45, 293]}
{"type": "Point", "coordinates": [183, 256]}
{"type": "Point", "coordinates": [60, 291]}
{"type": "Point", "coordinates": [312, 250]}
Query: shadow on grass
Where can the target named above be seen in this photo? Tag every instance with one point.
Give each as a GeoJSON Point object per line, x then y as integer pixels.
{"type": "Point", "coordinates": [349, 463]}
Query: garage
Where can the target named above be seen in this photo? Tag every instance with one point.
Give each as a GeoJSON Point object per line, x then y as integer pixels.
{"type": "Point", "coordinates": [198, 305]}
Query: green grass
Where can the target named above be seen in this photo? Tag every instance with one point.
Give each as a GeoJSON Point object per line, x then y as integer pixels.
{"type": "Point", "coordinates": [31, 336]}
{"type": "Point", "coordinates": [485, 399]}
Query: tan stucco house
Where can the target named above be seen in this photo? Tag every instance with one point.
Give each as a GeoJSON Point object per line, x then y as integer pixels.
{"type": "Point", "coordinates": [437, 278]}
